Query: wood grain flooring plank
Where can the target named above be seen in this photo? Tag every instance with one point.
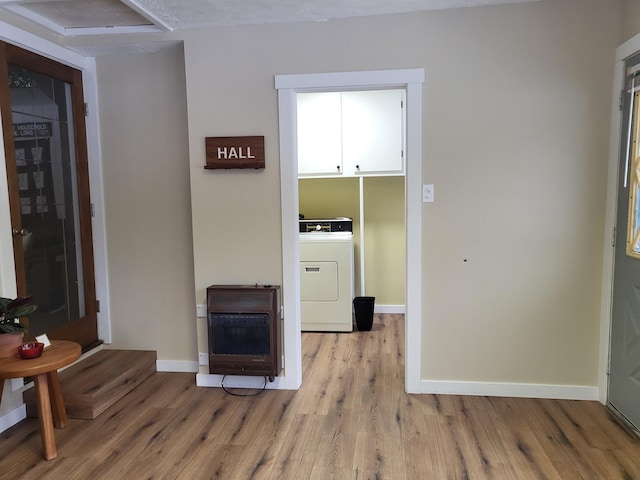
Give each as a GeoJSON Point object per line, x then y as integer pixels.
{"type": "Point", "coordinates": [350, 420]}
{"type": "Point", "coordinates": [197, 426]}
{"type": "Point", "coordinates": [527, 444]}
{"type": "Point", "coordinates": [624, 460]}
{"type": "Point", "coordinates": [222, 462]}
{"type": "Point", "coordinates": [297, 457]}
{"type": "Point", "coordinates": [377, 456]}
{"type": "Point", "coordinates": [269, 442]}
{"type": "Point", "coordinates": [428, 443]}
{"type": "Point", "coordinates": [322, 472]}
{"type": "Point", "coordinates": [337, 444]}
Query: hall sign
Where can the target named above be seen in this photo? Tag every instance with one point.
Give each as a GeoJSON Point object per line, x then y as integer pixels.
{"type": "Point", "coordinates": [234, 152]}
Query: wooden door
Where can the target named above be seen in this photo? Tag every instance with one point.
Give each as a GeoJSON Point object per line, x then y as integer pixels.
{"type": "Point", "coordinates": [42, 108]}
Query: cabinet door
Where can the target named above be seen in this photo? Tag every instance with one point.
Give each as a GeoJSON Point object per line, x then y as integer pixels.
{"type": "Point", "coordinates": [319, 134]}
{"type": "Point", "coordinates": [372, 132]}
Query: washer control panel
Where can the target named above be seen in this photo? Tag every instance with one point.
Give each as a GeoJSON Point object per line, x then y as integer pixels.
{"type": "Point", "coordinates": [326, 225]}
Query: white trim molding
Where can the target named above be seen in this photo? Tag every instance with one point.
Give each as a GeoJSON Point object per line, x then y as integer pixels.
{"type": "Point", "coordinates": [176, 366]}
{"type": "Point", "coordinates": [240, 381]}
{"type": "Point", "coordinates": [12, 417]}
{"type": "Point", "coordinates": [288, 86]}
{"type": "Point", "coordinates": [520, 390]}
{"type": "Point", "coordinates": [32, 42]}
{"type": "Point", "coordinates": [393, 309]}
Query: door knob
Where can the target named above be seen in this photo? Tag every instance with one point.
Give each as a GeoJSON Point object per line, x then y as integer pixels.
{"type": "Point", "coordinates": [23, 232]}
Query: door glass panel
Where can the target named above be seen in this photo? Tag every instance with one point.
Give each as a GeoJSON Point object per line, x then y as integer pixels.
{"type": "Point", "coordinates": [633, 162]}
{"type": "Point", "coordinates": [46, 167]}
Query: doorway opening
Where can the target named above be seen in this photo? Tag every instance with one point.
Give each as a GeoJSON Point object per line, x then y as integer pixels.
{"type": "Point", "coordinates": [288, 87]}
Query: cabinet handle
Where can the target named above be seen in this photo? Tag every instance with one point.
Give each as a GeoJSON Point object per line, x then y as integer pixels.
{"type": "Point", "coordinates": [338, 167]}
{"type": "Point", "coordinates": [358, 167]}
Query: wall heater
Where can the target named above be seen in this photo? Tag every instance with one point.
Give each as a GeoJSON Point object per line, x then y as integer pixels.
{"type": "Point", "coordinates": [244, 330]}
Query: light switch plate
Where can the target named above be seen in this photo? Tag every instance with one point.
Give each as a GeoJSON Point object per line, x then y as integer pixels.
{"type": "Point", "coordinates": [201, 311]}
{"type": "Point", "coordinates": [427, 193]}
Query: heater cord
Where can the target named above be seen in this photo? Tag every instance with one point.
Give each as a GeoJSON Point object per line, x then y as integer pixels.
{"type": "Point", "coordinates": [255, 394]}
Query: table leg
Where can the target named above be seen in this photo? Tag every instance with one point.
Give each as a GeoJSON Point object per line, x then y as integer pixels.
{"type": "Point", "coordinates": [44, 414]}
{"type": "Point", "coordinates": [57, 401]}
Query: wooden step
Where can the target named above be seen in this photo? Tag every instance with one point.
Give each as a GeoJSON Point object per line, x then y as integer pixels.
{"type": "Point", "coordinates": [94, 384]}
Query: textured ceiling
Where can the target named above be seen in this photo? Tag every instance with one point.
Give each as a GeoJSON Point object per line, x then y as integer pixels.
{"type": "Point", "coordinates": [93, 27]}
{"type": "Point", "coordinates": [86, 17]}
{"type": "Point", "coordinates": [71, 14]}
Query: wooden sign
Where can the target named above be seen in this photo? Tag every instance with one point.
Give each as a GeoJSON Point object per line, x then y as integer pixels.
{"type": "Point", "coordinates": [234, 152]}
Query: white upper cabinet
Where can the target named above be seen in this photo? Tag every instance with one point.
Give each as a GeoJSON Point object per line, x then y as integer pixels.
{"type": "Point", "coordinates": [372, 128]}
{"type": "Point", "coordinates": [319, 134]}
{"type": "Point", "coordinates": [351, 133]}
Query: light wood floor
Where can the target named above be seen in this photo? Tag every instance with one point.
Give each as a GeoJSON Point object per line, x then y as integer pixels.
{"type": "Point", "coordinates": [350, 420]}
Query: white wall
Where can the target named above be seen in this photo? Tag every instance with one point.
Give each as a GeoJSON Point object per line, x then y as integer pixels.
{"type": "Point", "coordinates": [147, 206]}
{"type": "Point", "coordinates": [517, 106]}
{"type": "Point", "coordinates": [630, 19]}
{"type": "Point", "coordinates": [516, 141]}
{"type": "Point", "coordinates": [516, 109]}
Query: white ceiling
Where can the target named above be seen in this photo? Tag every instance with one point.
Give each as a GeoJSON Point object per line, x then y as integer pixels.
{"type": "Point", "coordinates": [90, 17]}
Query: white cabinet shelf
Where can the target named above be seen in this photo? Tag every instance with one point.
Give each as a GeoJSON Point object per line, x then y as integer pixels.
{"type": "Point", "coordinates": [351, 133]}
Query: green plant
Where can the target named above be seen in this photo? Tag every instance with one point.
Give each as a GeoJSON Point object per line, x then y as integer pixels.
{"type": "Point", "coordinates": [11, 310]}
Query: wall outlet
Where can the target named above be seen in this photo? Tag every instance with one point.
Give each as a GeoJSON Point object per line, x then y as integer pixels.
{"type": "Point", "coordinates": [203, 358]}
{"type": "Point", "coordinates": [201, 311]}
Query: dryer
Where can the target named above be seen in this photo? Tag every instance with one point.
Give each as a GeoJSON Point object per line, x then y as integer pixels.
{"type": "Point", "coordinates": [326, 279]}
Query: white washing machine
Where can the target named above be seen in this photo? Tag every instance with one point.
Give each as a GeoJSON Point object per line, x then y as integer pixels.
{"type": "Point", "coordinates": [326, 281]}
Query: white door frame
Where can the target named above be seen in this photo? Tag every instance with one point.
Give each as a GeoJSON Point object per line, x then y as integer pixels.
{"type": "Point", "coordinates": [288, 86]}
{"type": "Point", "coordinates": [623, 52]}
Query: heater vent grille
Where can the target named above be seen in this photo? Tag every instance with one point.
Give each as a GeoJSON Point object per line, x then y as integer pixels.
{"type": "Point", "coordinates": [239, 301]}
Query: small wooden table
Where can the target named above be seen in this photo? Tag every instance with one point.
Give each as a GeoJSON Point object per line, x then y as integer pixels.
{"type": "Point", "coordinates": [44, 369]}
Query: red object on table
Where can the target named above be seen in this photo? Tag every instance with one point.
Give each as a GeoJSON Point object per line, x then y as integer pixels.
{"type": "Point", "coordinates": [31, 349]}
{"type": "Point", "coordinates": [44, 370]}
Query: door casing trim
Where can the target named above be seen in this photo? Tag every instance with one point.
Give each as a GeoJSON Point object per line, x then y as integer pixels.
{"type": "Point", "coordinates": [288, 85]}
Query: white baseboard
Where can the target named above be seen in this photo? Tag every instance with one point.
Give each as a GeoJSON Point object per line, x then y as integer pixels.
{"type": "Point", "coordinates": [16, 415]}
{"type": "Point", "coordinates": [240, 381]}
{"type": "Point", "coordinates": [176, 366]}
{"type": "Point", "coordinates": [522, 390]}
{"type": "Point", "coordinates": [490, 389]}
{"type": "Point", "coordinates": [389, 309]}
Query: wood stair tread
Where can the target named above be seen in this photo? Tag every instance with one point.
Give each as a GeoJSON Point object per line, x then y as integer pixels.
{"type": "Point", "coordinates": [94, 384]}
